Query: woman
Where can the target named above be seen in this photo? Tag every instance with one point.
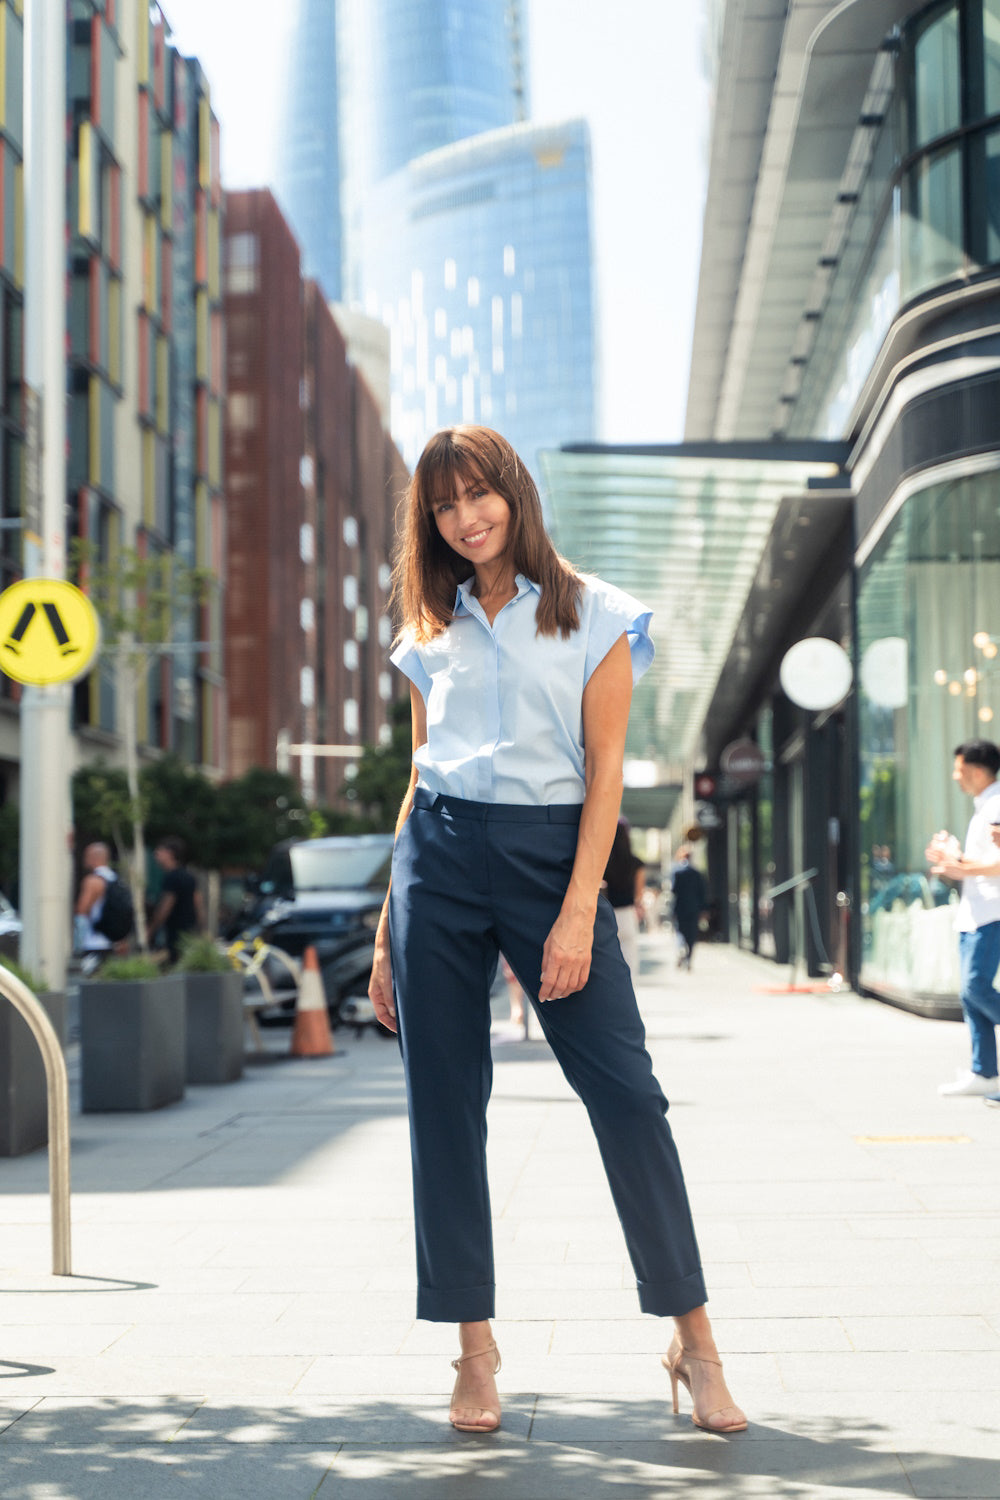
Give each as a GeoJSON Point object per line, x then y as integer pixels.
{"type": "Point", "coordinates": [520, 681]}
{"type": "Point", "coordinates": [624, 884]}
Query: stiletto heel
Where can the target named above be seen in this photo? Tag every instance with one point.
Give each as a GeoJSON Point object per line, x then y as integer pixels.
{"type": "Point", "coordinates": [494, 1411]}
{"type": "Point", "coordinates": [682, 1372]}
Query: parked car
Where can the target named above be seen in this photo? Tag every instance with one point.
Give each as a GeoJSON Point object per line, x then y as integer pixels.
{"type": "Point", "coordinates": [325, 893]}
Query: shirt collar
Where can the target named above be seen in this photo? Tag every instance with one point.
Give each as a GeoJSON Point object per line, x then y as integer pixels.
{"type": "Point", "coordinates": [466, 602]}
{"type": "Point", "coordinates": [985, 795]}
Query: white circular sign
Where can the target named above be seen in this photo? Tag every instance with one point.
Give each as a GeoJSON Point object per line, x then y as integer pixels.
{"type": "Point", "coordinates": [816, 673]}
{"type": "Point", "coordinates": [885, 672]}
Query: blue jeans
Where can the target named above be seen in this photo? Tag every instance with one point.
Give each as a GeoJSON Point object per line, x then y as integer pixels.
{"type": "Point", "coordinates": [979, 957]}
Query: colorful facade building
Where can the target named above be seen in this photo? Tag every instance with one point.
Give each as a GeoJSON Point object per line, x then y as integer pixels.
{"type": "Point", "coordinates": [144, 352]}
{"type": "Point", "coordinates": [146, 367]}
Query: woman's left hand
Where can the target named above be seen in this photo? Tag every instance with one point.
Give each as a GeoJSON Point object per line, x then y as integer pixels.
{"type": "Point", "coordinates": [566, 955]}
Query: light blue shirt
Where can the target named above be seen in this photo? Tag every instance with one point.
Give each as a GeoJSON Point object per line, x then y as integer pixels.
{"type": "Point", "coordinates": [504, 705]}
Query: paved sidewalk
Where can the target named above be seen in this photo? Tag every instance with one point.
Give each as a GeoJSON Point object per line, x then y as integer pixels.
{"type": "Point", "coordinates": [240, 1322]}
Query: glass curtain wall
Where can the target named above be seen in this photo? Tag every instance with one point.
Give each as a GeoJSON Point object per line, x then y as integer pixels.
{"type": "Point", "coordinates": [929, 645]}
{"type": "Point", "coordinates": [929, 210]}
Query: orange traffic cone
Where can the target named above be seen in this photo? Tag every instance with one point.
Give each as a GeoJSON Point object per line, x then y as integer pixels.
{"type": "Point", "coordinates": [311, 1035]}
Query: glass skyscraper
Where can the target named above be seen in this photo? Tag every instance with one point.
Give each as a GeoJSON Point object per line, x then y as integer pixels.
{"type": "Point", "coordinates": [477, 257]}
{"type": "Point", "coordinates": [309, 150]}
{"type": "Point", "coordinates": [466, 229]}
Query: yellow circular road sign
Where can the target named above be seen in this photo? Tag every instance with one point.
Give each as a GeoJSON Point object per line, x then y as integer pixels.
{"type": "Point", "coordinates": [49, 631]}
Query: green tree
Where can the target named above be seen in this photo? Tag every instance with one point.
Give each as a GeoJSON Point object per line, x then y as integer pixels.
{"type": "Point", "coordinates": [102, 807]}
{"type": "Point", "coordinates": [253, 813]}
{"type": "Point", "coordinates": [139, 598]}
{"type": "Point", "coordinates": [383, 772]}
{"type": "Point", "coordinates": [179, 799]}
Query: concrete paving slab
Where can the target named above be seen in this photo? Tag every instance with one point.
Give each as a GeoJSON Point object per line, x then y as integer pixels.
{"type": "Point", "coordinates": [91, 1473]}
{"type": "Point", "coordinates": [559, 1471]}
{"type": "Point", "coordinates": [64, 1421]}
{"type": "Point", "coordinates": [923, 1333]}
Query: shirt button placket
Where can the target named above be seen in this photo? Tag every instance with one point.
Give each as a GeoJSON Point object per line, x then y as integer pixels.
{"type": "Point", "coordinates": [491, 723]}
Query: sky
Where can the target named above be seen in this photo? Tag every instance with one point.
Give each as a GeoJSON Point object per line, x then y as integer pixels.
{"type": "Point", "coordinates": [633, 69]}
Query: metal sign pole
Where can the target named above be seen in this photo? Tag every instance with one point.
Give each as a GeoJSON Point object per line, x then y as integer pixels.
{"type": "Point", "coordinates": [44, 790]}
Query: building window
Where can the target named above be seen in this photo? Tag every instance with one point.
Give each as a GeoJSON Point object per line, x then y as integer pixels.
{"type": "Point", "coordinates": [351, 719]}
{"type": "Point", "coordinates": [991, 55]}
{"type": "Point", "coordinates": [937, 89]}
{"type": "Point", "coordinates": [242, 264]}
{"type": "Point", "coordinates": [932, 237]}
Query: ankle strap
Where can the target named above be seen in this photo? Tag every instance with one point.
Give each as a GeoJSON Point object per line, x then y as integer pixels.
{"type": "Point", "coordinates": [699, 1359]}
{"type": "Point", "coordinates": [490, 1349]}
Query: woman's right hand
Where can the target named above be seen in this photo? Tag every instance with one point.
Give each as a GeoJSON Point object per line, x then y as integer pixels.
{"type": "Point", "coordinates": [380, 986]}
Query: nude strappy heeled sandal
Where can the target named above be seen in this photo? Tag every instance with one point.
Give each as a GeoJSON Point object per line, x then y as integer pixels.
{"type": "Point", "coordinates": [494, 1411]}
{"type": "Point", "coordinates": [677, 1372]}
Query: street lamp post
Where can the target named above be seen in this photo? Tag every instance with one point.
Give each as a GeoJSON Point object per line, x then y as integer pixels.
{"type": "Point", "coordinates": [44, 790]}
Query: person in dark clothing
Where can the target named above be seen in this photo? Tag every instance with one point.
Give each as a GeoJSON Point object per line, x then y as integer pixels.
{"type": "Point", "coordinates": [624, 883]}
{"type": "Point", "coordinates": [179, 908]}
{"type": "Point", "coordinates": [690, 900]}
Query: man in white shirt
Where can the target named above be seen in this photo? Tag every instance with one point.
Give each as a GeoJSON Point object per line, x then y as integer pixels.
{"type": "Point", "coordinates": [978, 868]}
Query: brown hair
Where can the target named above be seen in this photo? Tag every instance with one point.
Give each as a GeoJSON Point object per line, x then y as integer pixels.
{"type": "Point", "coordinates": [427, 571]}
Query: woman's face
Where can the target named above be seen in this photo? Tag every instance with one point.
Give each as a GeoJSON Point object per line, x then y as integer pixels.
{"type": "Point", "coordinates": [475, 522]}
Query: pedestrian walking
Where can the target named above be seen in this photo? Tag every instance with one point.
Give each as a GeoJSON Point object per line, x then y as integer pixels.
{"type": "Point", "coordinates": [977, 866]}
{"type": "Point", "coordinates": [178, 908]}
{"type": "Point", "coordinates": [90, 944]}
{"type": "Point", "coordinates": [520, 676]}
{"type": "Point", "coordinates": [690, 903]}
{"type": "Point", "coordinates": [624, 885]}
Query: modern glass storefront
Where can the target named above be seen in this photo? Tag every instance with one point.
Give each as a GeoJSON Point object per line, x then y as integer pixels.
{"type": "Point", "coordinates": [929, 654]}
{"type": "Point", "coordinates": [928, 211]}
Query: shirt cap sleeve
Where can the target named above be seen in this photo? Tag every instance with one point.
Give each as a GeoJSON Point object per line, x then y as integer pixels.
{"type": "Point", "coordinates": [615, 613]}
{"type": "Point", "coordinates": [407, 658]}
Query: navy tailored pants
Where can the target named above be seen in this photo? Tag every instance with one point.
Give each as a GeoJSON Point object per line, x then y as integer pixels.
{"type": "Point", "coordinates": [470, 879]}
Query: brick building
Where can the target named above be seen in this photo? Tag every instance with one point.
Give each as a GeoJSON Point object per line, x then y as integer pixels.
{"type": "Point", "coordinates": [312, 485]}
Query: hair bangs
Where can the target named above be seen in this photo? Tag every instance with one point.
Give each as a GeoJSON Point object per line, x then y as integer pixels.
{"type": "Point", "coordinates": [445, 463]}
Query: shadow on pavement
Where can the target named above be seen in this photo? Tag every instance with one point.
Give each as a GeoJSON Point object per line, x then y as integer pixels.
{"type": "Point", "coordinates": [559, 1448]}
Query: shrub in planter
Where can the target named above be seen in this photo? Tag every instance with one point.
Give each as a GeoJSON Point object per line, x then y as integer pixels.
{"type": "Point", "coordinates": [133, 1026]}
{"type": "Point", "coordinates": [214, 1012]}
{"type": "Point", "coordinates": [24, 1111]}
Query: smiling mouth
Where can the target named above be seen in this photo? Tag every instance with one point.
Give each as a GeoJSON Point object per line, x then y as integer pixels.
{"type": "Point", "coordinates": [477, 537]}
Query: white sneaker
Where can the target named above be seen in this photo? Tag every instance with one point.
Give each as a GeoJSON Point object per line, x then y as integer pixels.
{"type": "Point", "coordinates": [971, 1085]}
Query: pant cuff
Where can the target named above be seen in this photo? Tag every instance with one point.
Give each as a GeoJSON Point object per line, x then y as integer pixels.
{"type": "Point", "coordinates": [672, 1299]}
{"type": "Point", "coordinates": [467, 1304]}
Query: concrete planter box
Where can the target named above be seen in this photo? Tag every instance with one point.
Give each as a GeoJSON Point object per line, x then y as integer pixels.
{"type": "Point", "coordinates": [24, 1109]}
{"type": "Point", "coordinates": [132, 1043]}
{"type": "Point", "coordinates": [214, 1027]}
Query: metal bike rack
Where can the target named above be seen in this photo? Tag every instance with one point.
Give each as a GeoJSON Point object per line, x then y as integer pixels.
{"type": "Point", "coordinates": [58, 1100]}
